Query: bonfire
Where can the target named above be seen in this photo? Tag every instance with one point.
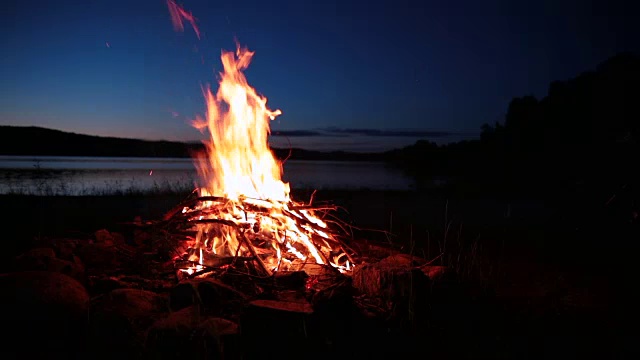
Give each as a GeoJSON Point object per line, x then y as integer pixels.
{"type": "Point", "coordinates": [243, 210]}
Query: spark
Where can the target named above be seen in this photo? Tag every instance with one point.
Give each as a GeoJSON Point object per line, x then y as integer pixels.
{"type": "Point", "coordinates": [178, 14]}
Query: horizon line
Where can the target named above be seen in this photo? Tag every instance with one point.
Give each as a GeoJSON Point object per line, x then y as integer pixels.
{"type": "Point", "coordinates": [295, 133]}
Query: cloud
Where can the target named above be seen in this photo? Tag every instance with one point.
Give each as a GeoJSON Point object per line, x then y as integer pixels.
{"type": "Point", "coordinates": [296, 133]}
{"type": "Point", "coordinates": [358, 140]}
{"type": "Point", "coordinates": [348, 132]}
{"type": "Point", "coordinates": [388, 133]}
{"type": "Point", "coordinates": [331, 143]}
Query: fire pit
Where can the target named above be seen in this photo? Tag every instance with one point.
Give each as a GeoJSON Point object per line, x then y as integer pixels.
{"type": "Point", "coordinates": [243, 213]}
{"type": "Point", "coordinates": [274, 236]}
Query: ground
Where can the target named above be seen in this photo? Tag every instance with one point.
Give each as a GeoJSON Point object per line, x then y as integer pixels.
{"type": "Point", "coordinates": [542, 286]}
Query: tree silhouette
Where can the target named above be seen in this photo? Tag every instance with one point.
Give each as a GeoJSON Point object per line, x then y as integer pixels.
{"type": "Point", "coordinates": [585, 127]}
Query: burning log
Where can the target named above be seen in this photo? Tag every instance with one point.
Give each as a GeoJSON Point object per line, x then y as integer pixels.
{"type": "Point", "coordinates": [276, 236]}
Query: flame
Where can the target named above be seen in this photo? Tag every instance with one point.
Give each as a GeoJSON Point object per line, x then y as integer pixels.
{"type": "Point", "coordinates": [239, 161]}
{"type": "Point", "coordinates": [251, 212]}
{"type": "Point", "coordinates": [178, 14]}
{"type": "Point", "coordinates": [247, 209]}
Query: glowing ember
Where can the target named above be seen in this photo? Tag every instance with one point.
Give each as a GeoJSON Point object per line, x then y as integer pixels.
{"type": "Point", "coordinates": [178, 14]}
{"type": "Point", "coordinates": [245, 209]}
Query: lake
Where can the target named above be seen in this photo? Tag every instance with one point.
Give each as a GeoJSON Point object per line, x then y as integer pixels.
{"type": "Point", "coordinates": [55, 175]}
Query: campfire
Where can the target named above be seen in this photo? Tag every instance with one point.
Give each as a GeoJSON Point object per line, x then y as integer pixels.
{"type": "Point", "coordinates": [243, 210]}
{"type": "Point", "coordinates": [235, 268]}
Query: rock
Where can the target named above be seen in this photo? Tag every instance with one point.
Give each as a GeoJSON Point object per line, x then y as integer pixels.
{"type": "Point", "coordinates": [101, 284]}
{"type": "Point", "coordinates": [290, 279]}
{"type": "Point", "coordinates": [446, 288]}
{"type": "Point", "coordinates": [401, 260]}
{"type": "Point", "coordinates": [220, 327]}
{"type": "Point", "coordinates": [119, 319]}
{"type": "Point", "coordinates": [369, 250]}
{"type": "Point", "coordinates": [65, 248]}
{"type": "Point", "coordinates": [78, 263]}
{"type": "Point", "coordinates": [437, 272]}
{"type": "Point", "coordinates": [313, 269]}
{"type": "Point", "coordinates": [243, 283]}
{"type": "Point", "coordinates": [75, 269]}
{"type": "Point", "coordinates": [404, 291]}
{"type": "Point", "coordinates": [190, 335]}
{"type": "Point", "coordinates": [133, 304]}
{"type": "Point", "coordinates": [39, 253]}
{"type": "Point", "coordinates": [265, 321]}
{"type": "Point", "coordinates": [35, 259]}
{"type": "Point", "coordinates": [384, 279]}
{"type": "Point", "coordinates": [98, 285]}
{"type": "Point", "coordinates": [45, 259]}
{"type": "Point", "coordinates": [299, 307]}
{"type": "Point", "coordinates": [215, 297]}
{"type": "Point", "coordinates": [48, 307]}
{"type": "Point", "coordinates": [98, 256]}
{"type": "Point", "coordinates": [108, 238]}
{"type": "Point", "coordinates": [141, 237]}
{"type": "Point", "coordinates": [334, 301]}
{"type": "Point", "coordinates": [228, 334]}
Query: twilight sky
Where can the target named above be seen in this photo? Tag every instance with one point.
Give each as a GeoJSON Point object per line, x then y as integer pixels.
{"type": "Point", "coordinates": [351, 75]}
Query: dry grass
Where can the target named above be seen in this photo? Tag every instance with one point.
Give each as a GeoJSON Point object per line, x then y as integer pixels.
{"type": "Point", "coordinates": [452, 247]}
{"type": "Point", "coordinates": [55, 187]}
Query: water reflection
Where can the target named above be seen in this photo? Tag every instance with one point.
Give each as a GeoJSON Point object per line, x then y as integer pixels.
{"type": "Point", "coordinates": [91, 176]}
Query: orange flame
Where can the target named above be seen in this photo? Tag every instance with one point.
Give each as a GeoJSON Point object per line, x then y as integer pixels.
{"type": "Point", "coordinates": [239, 159]}
{"type": "Point", "coordinates": [251, 212]}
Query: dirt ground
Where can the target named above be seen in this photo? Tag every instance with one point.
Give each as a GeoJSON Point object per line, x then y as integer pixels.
{"type": "Point", "coordinates": [560, 287]}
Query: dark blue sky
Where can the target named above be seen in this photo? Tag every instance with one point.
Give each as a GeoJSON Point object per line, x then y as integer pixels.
{"type": "Point", "coordinates": [406, 69]}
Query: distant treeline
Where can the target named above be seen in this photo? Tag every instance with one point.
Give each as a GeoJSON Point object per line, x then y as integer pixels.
{"type": "Point", "coordinates": [585, 128]}
{"type": "Point", "coordinates": [37, 141]}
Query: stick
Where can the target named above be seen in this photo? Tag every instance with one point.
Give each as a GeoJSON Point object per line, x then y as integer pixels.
{"type": "Point", "coordinates": [313, 208]}
{"type": "Point", "coordinates": [253, 252]}
{"type": "Point", "coordinates": [318, 249]}
{"type": "Point", "coordinates": [217, 221]}
{"type": "Point", "coordinates": [188, 203]}
{"type": "Point", "coordinates": [176, 218]}
{"type": "Point", "coordinates": [304, 221]}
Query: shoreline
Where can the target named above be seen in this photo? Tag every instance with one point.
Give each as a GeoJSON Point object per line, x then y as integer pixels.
{"type": "Point", "coordinates": [421, 218]}
{"type": "Point", "coordinates": [516, 228]}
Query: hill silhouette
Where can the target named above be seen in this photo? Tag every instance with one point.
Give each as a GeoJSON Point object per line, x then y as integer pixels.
{"type": "Point", "coordinates": [38, 141]}
{"type": "Point", "coordinates": [585, 128]}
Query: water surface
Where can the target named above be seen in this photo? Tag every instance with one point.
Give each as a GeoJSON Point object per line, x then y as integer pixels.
{"type": "Point", "coordinates": [55, 175]}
